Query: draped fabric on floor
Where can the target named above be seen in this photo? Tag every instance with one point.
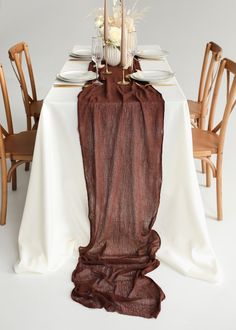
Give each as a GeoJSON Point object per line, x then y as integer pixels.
{"type": "Point", "coordinates": [121, 135]}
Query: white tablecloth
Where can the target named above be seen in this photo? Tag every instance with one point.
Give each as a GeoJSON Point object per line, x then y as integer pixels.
{"type": "Point", "coordinates": [55, 220]}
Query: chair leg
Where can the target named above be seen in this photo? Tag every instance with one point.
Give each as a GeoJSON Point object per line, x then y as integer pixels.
{"type": "Point", "coordinates": [36, 122]}
{"type": "Point", "coordinates": [29, 124]}
{"type": "Point", "coordinates": [201, 125]}
{"type": "Point", "coordinates": [4, 192]}
{"type": "Point", "coordinates": [29, 127]}
{"type": "Point", "coordinates": [203, 167]}
{"type": "Point", "coordinates": [208, 174]}
{"type": "Point", "coordinates": [27, 167]}
{"type": "Point", "coordinates": [14, 178]}
{"type": "Point", "coordinates": [219, 190]}
{"type": "Point", "coordinates": [197, 122]}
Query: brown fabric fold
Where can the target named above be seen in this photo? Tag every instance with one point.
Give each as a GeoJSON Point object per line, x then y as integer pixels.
{"type": "Point", "coordinates": [121, 134]}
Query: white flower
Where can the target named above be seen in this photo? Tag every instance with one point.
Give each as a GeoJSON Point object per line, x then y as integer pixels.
{"type": "Point", "coordinates": [132, 16]}
{"type": "Point", "coordinates": [115, 35]}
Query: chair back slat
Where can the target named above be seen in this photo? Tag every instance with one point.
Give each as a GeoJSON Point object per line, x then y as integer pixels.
{"type": "Point", "coordinates": [203, 73]}
{"type": "Point", "coordinates": [228, 67]}
{"type": "Point", "coordinates": [31, 74]}
{"type": "Point", "coordinates": [6, 104]}
{"type": "Point", "coordinates": [216, 52]}
{"type": "Point", "coordinates": [212, 56]}
{"type": "Point", "coordinates": [228, 109]}
{"type": "Point", "coordinates": [208, 86]}
{"type": "Point", "coordinates": [215, 48]}
{"type": "Point", "coordinates": [215, 96]}
{"type": "Point", "coordinates": [22, 81]}
{"type": "Point", "coordinates": [227, 84]}
{"type": "Point", "coordinates": [16, 55]}
{"type": "Point", "coordinates": [231, 66]}
{"type": "Point", "coordinates": [20, 58]}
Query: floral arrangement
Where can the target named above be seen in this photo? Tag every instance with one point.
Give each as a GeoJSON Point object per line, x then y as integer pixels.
{"type": "Point", "coordinates": [132, 16]}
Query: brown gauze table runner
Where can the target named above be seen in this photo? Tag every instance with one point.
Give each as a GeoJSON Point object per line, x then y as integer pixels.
{"type": "Point", "coordinates": [121, 134]}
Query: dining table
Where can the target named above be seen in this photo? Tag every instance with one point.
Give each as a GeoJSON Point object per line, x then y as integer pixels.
{"type": "Point", "coordinates": [55, 219]}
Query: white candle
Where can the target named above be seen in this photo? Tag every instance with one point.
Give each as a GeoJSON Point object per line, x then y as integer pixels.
{"type": "Point", "coordinates": [123, 36]}
{"type": "Point", "coordinates": [105, 21]}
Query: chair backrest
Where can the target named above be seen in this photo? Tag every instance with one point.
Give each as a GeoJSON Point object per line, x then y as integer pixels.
{"type": "Point", "coordinates": [6, 102]}
{"type": "Point", "coordinates": [212, 57]}
{"type": "Point", "coordinates": [16, 54]}
{"type": "Point", "coordinates": [228, 68]}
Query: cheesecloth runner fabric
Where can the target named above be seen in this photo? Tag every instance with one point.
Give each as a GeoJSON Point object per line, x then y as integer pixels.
{"type": "Point", "coordinates": [121, 134]}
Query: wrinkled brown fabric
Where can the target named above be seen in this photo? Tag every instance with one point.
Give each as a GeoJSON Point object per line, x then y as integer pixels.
{"type": "Point", "coordinates": [121, 133]}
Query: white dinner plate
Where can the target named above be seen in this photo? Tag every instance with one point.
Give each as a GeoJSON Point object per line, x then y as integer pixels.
{"type": "Point", "coordinates": [156, 76]}
{"type": "Point", "coordinates": [152, 53]}
{"type": "Point", "coordinates": [82, 58]}
{"type": "Point", "coordinates": [76, 76]}
{"type": "Point", "coordinates": [81, 51]}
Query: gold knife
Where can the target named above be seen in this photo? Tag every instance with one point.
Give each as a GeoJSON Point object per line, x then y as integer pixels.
{"type": "Point", "coordinates": [68, 86]}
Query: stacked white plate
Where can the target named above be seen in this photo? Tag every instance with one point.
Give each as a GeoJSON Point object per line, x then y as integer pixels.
{"type": "Point", "coordinates": [82, 52]}
{"type": "Point", "coordinates": [156, 76]}
{"type": "Point", "coordinates": [152, 53]}
{"type": "Point", "coordinates": [76, 76]}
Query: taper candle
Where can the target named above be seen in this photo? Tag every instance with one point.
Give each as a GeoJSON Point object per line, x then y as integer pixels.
{"type": "Point", "coordinates": [123, 36]}
{"type": "Point", "coordinates": [105, 21]}
{"type": "Point", "coordinates": [106, 33]}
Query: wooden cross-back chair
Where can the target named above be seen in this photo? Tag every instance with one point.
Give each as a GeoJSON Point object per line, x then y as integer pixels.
{"type": "Point", "coordinates": [31, 103]}
{"type": "Point", "coordinates": [211, 141]}
{"type": "Point", "coordinates": [18, 148]}
{"type": "Point", "coordinates": [199, 109]}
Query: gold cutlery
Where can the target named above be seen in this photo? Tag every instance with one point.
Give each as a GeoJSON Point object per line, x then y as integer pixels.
{"type": "Point", "coordinates": [71, 85]}
{"type": "Point", "coordinates": [149, 59]}
{"type": "Point", "coordinates": [155, 85]}
{"type": "Point", "coordinates": [160, 85]}
{"type": "Point", "coordinates": [79, 60]}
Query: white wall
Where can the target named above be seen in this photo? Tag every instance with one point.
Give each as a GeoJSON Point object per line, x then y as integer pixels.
{"type": "Point", "coordinates": [52, 27]}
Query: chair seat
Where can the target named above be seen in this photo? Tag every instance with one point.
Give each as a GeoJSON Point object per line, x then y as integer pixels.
{"type": "Point", "coordinates": [194, 109]}
{"type": "Point", "coordinates": [21, 145]}
{"type": "Point", "coordinates": [205, 143]}
{"type": "Point", "coordinates": [35, 108]}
